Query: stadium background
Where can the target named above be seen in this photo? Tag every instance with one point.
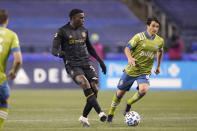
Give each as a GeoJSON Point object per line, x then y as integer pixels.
{"type": "Point", "coordinates": [171, 103]}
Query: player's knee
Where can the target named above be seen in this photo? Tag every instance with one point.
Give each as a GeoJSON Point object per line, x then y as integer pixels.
{"type": "Point", "coordinates": [4, 103]}
{"type": "Point", "coordinates": [82, 82]}
{"type": "Point", "coordinates": [7, 101]}
{"type": "Point", "coordinates": [143, 90]}
{"type": "Point", "coordinates": [94, 87]}
{"type": "Point", "coordinates": [120, 93]}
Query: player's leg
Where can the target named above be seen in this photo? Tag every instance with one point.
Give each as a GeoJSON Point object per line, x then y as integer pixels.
{"type": "Point", "coordinates": [93, 80]}
{"type": "Point", "coordinates": [84, 84]}
{"type": "Point", "coordinates": [91, 98]}
{"type": "Point", "coordinates": [77, 75]}
{"type": "Point", "coordinates": [95, 87]}
{"type": "Point", "coordinates": [115, 102]}
{"type": "Point", "coordinates": [124, 85]}
{"type": "Point", "coordinates": [143, 82]}
{"type": "Point", "coordinates": [4, 101]}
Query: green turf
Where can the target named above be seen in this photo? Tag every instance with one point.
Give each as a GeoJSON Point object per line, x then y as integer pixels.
{"type": "Point", "coordinates": [59, 110]}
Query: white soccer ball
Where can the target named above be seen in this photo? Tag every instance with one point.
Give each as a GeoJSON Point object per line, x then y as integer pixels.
{"type": "Point", "coordinates": [132, 118]}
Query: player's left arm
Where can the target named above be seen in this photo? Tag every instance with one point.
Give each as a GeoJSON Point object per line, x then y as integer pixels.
{"type": "Point", "coordinates": [159, 59]}
{"type": "Point", "coordinates": [15, 49]}
{"type": "Point", "coordinates": [16, 65]}
{"type": "Point", "coordinates": [93, 53]}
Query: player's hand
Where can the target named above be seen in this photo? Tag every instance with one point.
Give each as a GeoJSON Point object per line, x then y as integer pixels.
{"type": "Point", "coordinates": [157, 70]}
{"type": "Point", "coordinates": [132, 61]}
{"type": "Point", "coordinates": [11, 75]}
{"type": "Point", "coordinates": [102, 64]}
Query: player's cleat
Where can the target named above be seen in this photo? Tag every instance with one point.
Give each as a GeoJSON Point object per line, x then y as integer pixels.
{"type": "Point", "coordinates": [84, 121]}
{"type": "Point", "coordinates": [110, 118]}
{"type": "Point", "coordinates": [127, 109]}
{"type": "Point", "coordinates": [102, 116]}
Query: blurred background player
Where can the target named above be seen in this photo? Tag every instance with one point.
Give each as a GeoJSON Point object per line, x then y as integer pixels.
{"type": "Point", "coordinates": [98, 46]}
{"type": "Point", "coordinates": [175, 48]}
{"type": "Point", "coordinates": [140, 51]}
{"type": "Point", "coordinates": [72, 43]}
{"type": "Point", "coordinates": [8, 44]}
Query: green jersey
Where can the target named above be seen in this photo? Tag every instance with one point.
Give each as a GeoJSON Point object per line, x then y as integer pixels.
{"type": "Point", "coordinates": [144, 50]}
{"type": "Point", "coordinates": [8, 43]}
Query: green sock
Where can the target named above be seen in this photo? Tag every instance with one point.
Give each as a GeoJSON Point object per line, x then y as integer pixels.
{"type": "Point", "coordinates": [114, 104]}
{"type": "Point", "coordinates": [137, 96]}
{"type": "Point", "coordinates": [3, 116]}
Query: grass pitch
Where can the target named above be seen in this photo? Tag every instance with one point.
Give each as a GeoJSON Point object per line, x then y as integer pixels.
{"type": "Point", "coordinates": [59, 110]}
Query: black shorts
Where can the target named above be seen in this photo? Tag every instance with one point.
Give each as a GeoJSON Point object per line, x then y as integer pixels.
{"type": "Point", "coordinates": [88, 71]}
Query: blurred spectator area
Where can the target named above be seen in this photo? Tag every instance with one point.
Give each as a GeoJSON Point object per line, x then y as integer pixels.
{"type": "Point", "coordinates": [36, 21]}
{"type": "Point", "coordinates": [183, 13]}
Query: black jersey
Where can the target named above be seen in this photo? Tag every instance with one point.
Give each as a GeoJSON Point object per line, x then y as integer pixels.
{"type": "Point", "coordinates": [73, 45]}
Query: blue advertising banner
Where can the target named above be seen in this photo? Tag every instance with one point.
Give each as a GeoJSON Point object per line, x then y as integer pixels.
{"type": "Point", "coordinates": [46, 71]}
{"type": "Point", "coordinates": [178, 75]}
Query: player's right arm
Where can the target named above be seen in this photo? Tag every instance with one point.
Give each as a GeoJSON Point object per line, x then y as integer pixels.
{"type": "Point", "coordinates": [129, 48]}
{"type": "Point", "coordinates": [57, 41]}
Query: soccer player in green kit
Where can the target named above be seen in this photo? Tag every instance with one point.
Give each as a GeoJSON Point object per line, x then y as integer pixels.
{"type": "Point", "coordinates": [140, 51]}
{"type": "Point", "coordinates": [8, 44]}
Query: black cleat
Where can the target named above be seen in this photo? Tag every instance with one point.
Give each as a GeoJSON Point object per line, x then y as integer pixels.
{"type": "Point", "coordinates": [102, 116]}
{"type": "Point", "coordinates": [110, 118]}
{"type": "Point", "coordinates": [127, 109]}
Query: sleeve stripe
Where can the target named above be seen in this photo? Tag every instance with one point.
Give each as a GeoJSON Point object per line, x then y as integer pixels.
{"type": "Point", "coordinates": [144, 36]}
{"type": "Point", "coordinates": [129, 46]}
{"type": "Point", "coordinates": [140, 36]}
{"type": "Point", "coordinates": [15, 49]}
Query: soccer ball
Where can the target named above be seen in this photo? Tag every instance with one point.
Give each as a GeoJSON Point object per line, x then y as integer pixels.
{"type": "Point", "coordinates": [132, 118]}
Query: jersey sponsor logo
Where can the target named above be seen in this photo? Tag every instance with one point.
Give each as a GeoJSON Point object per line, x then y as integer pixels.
{"type": "Point", "coordinates": [147, 54]}
{"type": "Point", "coordinates": [76, 41]}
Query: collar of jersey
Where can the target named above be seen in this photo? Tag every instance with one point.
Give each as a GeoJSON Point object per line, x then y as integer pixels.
{"type": "Point", "coordinates": [71, 26]}
{"type": "Point", "coordinates": [146, 33]}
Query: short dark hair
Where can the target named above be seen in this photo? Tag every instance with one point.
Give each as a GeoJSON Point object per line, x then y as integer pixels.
{"type": "Point", "coordinates": [73, 12]}
{"type": "Point", "coordinates": [3, 16]}
{"type": "Point", "coordinates": [150, 19]}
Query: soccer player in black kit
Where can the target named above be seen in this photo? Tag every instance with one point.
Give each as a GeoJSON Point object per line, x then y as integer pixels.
{"type": "Point", "coordinates": [71, 42]}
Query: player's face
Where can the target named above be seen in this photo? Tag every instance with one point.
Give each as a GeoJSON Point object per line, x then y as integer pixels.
{"type": "Point", "coordinates": [153, 28]}
{"type": "Point", "coordinates": [79, 19]}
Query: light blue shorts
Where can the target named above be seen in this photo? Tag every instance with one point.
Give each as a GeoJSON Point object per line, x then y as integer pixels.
{"type": "Point", "coordinates": [4, 91]}
{"type": "Point", "coordinates": [126, 81]}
